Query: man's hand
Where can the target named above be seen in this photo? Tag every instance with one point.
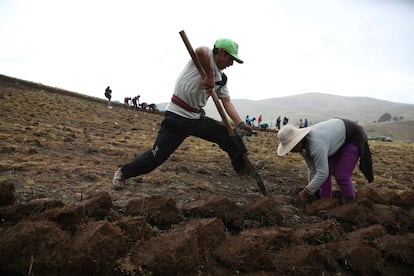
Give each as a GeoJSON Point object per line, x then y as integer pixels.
{"type": "Point", "coordinates": [243, 129]}
{"type": "Point", "coordinates": [208, 83]}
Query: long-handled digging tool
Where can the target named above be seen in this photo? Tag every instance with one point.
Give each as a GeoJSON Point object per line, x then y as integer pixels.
{"type": "Point", "coordinates": [220, 109]}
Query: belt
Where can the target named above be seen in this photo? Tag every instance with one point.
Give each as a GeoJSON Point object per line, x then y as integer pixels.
{"type": "Point", "coordinates": [175, 99]}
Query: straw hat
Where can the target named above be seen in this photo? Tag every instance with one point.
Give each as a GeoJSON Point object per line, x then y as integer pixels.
{"type": "Point", "coordinates": [289, 136]}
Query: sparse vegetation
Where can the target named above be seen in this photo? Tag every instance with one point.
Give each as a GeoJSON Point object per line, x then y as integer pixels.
{"type": "Point", "coordinates": [386, 117]}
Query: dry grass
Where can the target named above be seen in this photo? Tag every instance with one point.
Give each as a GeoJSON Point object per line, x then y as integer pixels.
{"type": "Point", "coordinates": [63, 145]}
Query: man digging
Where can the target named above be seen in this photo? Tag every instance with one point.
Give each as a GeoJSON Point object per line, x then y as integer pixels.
{"type": "Point", "coordinates": [185, 116]}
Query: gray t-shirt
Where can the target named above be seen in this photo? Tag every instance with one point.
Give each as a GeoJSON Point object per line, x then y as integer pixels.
{"type": "Point", "coordinates": [189, 88]}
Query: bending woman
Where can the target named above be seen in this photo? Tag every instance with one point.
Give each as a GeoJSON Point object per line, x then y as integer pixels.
{"type": "Point", "coordinates": [331, 147]}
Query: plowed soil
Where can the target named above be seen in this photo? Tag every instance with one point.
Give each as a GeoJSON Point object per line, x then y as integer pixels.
{"type": "Point", "coordinates": [191, 216]}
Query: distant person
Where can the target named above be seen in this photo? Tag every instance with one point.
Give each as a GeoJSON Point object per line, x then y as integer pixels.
{"type": "Point", "coordinates": [300, 124]}
{"type": "Point", "coordinates": [108, 95]}
{"type": "Point", "coordinates": [184, 115]}
{"type": "Point", "coordinates": [144, 105]}
{"type": "Point", "coordinates": [135, 102]}
{"type": "Point", "coordinates": [259, 120]}
{"type": "Point", "coordinates": [250, 121]}
{"type": "Point", "coordinates": [152, 107]}
{"type": "Point", "coordinates": [264, 126]}
{"type": "Point", "coordinates": [285, 121]}
{"type": "Point", "coordinates": [305, 123]}
{"type": "Point", "coordinates": [126, 102]}
{"type": "Point", "coordinates": [278, 120]}
{"type": "Point", "coordinates": [331, 147]}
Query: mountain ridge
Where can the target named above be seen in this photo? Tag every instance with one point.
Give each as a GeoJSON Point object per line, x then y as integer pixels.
{"type": "Point", "coordinates": [318, 107]}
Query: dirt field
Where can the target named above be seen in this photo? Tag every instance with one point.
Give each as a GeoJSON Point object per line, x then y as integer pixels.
{"type": "Point", "coordinates": [191, 216]}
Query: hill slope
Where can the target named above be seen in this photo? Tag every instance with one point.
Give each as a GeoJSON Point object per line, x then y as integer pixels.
{"type": "Point", "coordinates": [192, 215]}
{"type": "Point", "coordinates": [317, 107]}
{"type": "Point", "coordinates": [400, 131]}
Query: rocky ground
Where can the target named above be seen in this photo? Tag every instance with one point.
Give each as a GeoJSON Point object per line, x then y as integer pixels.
{"type": "Point", "coordinates": [191, 216]}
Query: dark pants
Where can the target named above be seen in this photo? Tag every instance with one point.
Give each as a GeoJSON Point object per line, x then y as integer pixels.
{"type": "Point", "coordinates": [174, 130]}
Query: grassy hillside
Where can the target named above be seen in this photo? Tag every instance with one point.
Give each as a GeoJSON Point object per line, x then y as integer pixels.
{"type": "Point", "coordinates": [192, 215]}
{"type": "Point", "coordinates": [401, 130]}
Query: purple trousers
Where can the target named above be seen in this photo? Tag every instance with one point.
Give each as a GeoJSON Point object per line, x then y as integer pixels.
{"type": "Point", "coordinates": [341, 165]}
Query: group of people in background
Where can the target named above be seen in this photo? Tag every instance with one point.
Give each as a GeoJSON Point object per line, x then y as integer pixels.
{"type": "Point", "coordinates": [262, 125]}
{"type": "Point", "coordinates": [301, 124]}
{"type": "Point", "coordinates": [131, 102]}
{"type": "Point", "coordinates": [279, 121]}
{"type": "Point", "coordinates": [134, 102]}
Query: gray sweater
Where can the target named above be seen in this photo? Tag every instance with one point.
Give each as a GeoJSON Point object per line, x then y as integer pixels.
{"type": "Point", "coordinates": [324, 140]}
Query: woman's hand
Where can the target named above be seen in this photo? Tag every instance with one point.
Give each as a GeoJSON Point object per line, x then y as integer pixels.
{"type": "Point", "coordinates": [304, 197]}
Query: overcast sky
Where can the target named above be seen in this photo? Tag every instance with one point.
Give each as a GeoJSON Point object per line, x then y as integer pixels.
{"type": "Point", "coordinates": [349, 47]}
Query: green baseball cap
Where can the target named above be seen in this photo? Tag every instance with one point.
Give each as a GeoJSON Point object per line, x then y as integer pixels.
{"type": "Point", "coordinates": [229, 46]}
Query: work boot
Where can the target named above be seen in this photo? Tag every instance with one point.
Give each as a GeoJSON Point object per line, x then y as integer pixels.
{"type": "Point", "coordinates": [251, 170]}
{"type": "Point", "coordinates": [119, 181]}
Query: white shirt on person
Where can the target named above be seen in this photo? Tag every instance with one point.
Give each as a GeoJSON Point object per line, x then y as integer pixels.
{"type": "Point", "coordinates": [189, 88]}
